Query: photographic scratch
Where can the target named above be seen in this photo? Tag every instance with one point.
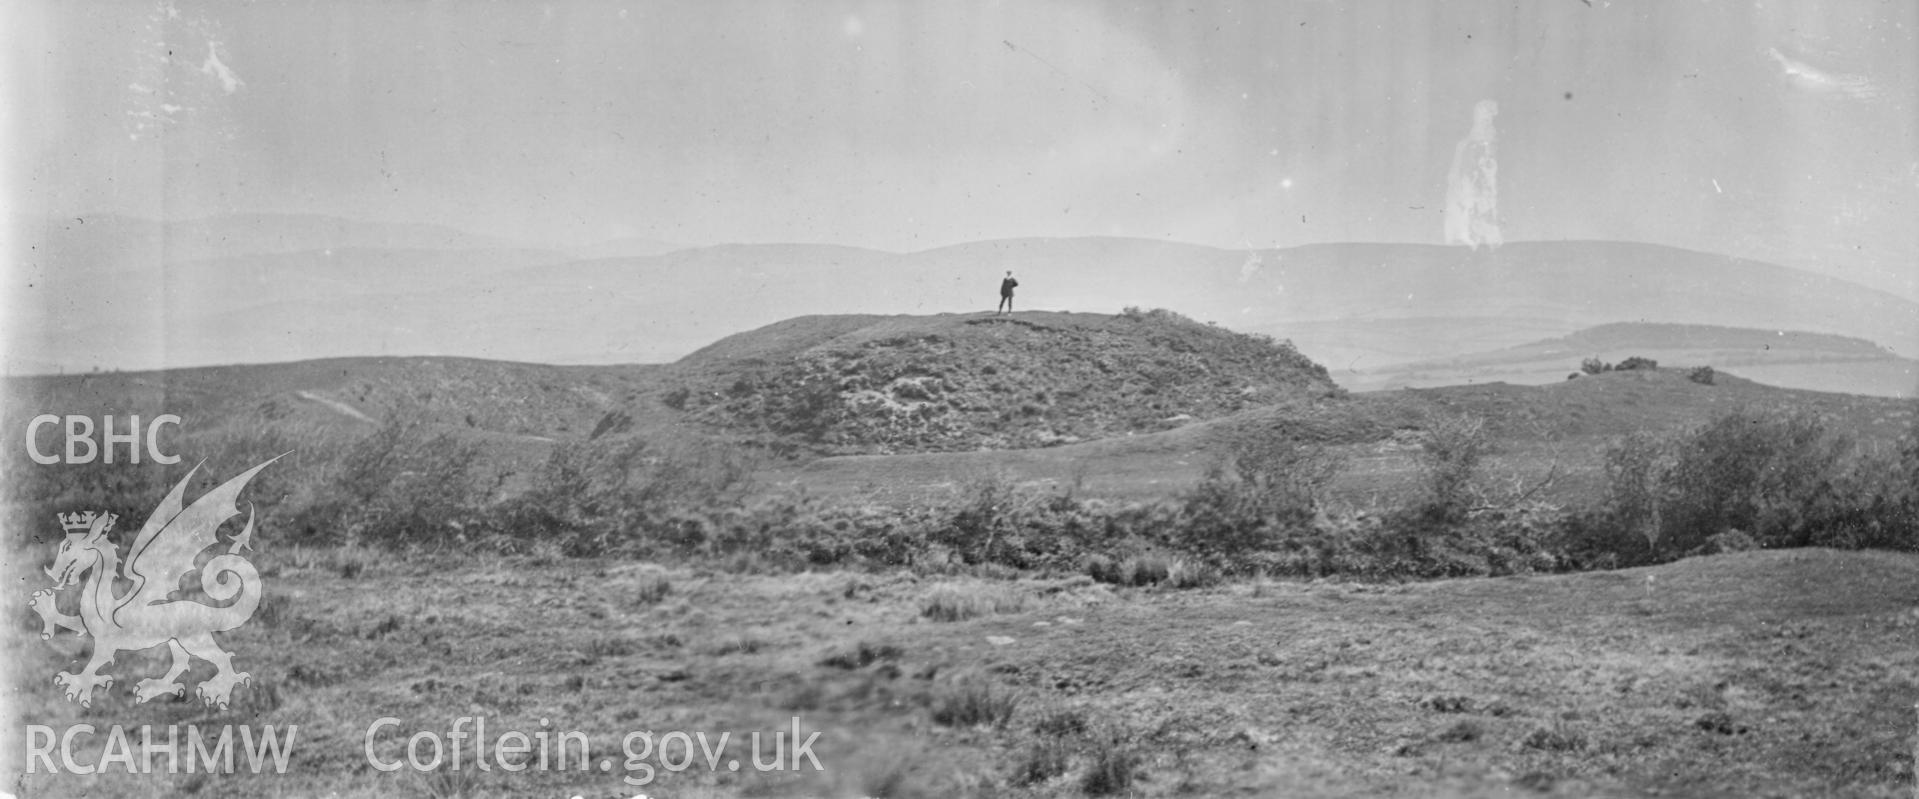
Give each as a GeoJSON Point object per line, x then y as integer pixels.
{"type": "Point", "coordinates": [1811, 78]}
{"type": "Point", "coordinates": [1056, 70]}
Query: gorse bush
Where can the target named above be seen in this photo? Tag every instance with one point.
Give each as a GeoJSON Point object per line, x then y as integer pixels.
{"type": "Point", "coordinates": [996, 522]}
{"type": "Point", "coordinates": [404, 485]}
{"type": "Point", "coordinates": [34, 492]}
{"type": "Point", "coordinates": [1269, 482]}
{"type": "Point", "coordinates": [1450, 453]}
{"type": "Point", "coordinates": [1745, 479]}
{"type": "Point", "coordinates": [1772, 475]}
{"type": "Point", "coordinates": [1776, 479]}
{"type": "Point", "coordinates": [1635, 468]}
{"type": "Point", "coordinates": [985, 527]}
{"type": "Point", "coordinates": [625, 493]}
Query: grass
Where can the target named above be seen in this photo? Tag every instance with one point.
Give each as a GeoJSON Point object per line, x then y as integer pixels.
{"type": "Point", "coordinates": [975, 703]}
{"type": "Point", "coordinates": [1112, 770]}
{"type": "Point", "coordinates": [1603, 682]}
{"type": "Point", "coordinates": [1784, 672]}
{"type": "Point", "coordinates": [948, 602]}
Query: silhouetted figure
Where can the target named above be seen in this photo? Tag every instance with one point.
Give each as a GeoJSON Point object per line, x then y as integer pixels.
{"type": "Point", "coordinates": [1006, 293]}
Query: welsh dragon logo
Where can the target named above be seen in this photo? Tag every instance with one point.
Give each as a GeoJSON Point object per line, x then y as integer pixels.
{"type": "Point", "coordinates": [151, 611]}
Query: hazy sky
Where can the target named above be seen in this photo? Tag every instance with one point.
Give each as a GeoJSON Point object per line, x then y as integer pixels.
{"type": "Point", "coordinates": [1783, 131]}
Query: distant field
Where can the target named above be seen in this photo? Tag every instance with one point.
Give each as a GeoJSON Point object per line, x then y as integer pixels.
{"type": "Point", "coordinates": [1878, 377]}
{"type": "Point", "coordinates": [1787, 359]}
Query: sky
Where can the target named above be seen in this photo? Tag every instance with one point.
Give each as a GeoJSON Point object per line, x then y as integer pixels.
{"type": "Point", "coordinates": [1781, 131]}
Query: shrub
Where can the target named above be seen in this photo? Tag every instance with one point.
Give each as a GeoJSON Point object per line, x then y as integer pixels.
{"type": "Point", "coordinates": [403, 485]}
{"type": "Point", "coordinates": [652, 589]}
{"type": "Point", "coordinates": [1463, 731]}
{"type": "Point", "coordinates": [1593, 366]}
{"type": "Point", "coordinates": [1061, 724]}
{"type": "Point", "coordinates": [1702, 375]}
{"type": "Point", "coordinates": [948, 602]}
{"type": "Point", "coordinates": [1043, 761]}
{"type": "Point", "coordinates": [1112, 770]}
{"type": "Point", "coordinates": [1636, 467]}
{"type": "Point", "coordinates": [1449, 457]}
{"type": "Point", "coordinates": [1145, 570]}
{"type": "Point", "coordinates": [1554, 740]}
{"type": "Point", "coordinates": [982, 528]}
{"type": "Point", "coordinates": [1269, 482]}
{"type": "Point", "coordinates": [997, 522]}
{"type": "Point", "coordinates": [1730, 541]}
{"type": "Point", "coordinates": [1105, 570]}
{"type": "Point", "coordinates": [861, 656]}
{"type": "Point", "coordinates": [809, 410]}
{"type": "Point", "coordinates": [1744, 480]}
{"type": "Point", "coordinates": [1183, 574]}
{"type": "Point", "coordinates": [624, 494]}
{"type": "Point", "coordinates": [1771, 474]}
{"type": "Point", "coordinates": [974, 703]}
{"type": "Point", "coordinates": [1876, 502]}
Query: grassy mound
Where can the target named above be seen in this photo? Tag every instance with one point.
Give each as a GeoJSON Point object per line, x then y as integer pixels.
{"type": "Point", "coordinates": [848, 385]}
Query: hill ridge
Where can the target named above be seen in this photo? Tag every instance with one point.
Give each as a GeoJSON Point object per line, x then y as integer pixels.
{"type": "Point", "coordinates": [1341, 303]}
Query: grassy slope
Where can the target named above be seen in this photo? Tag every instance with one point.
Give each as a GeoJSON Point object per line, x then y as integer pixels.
{"type": "Point", "coordinates": [513, 412]}
{"type": "Point", "coordinates": [510, 398]}
{"type": "Point", "coordinates": [1263, 688]}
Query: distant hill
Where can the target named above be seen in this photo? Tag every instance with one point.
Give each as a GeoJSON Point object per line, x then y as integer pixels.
{"type": "Point", "coordinates": [242, 309]}
{"type": "Point", "coordinates": [1350, 298]}
{"type": "Point", "coordinates": [1355, 307]}
{"type": "Point", "coordinates": [865, 384]}
{"type": "Point", "coordinates": [101, 241]}
{"type": "Point", "coordinates": [1708, 337]}
{"type": "Point", "coordinates": [1786, 358]}
{"type": "Point", "coordinates": [629, 247]}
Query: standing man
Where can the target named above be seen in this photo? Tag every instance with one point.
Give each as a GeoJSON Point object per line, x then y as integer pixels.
{"type": "Point", "coordinates": [1006, 293]}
